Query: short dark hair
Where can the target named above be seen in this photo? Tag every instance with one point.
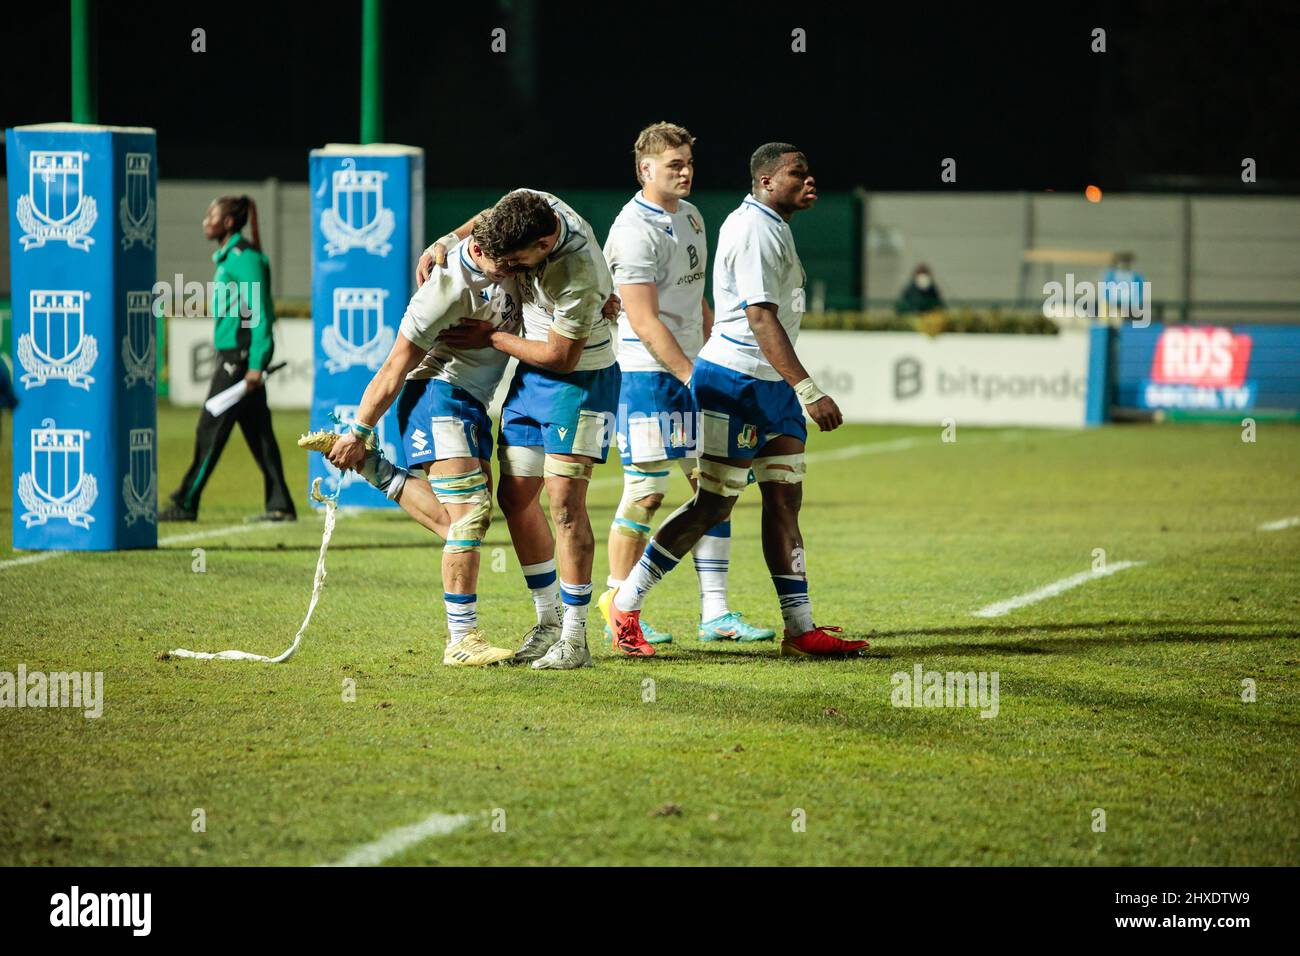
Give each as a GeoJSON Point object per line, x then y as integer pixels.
{"type": "Point", "coordinates": [517, 221]}
{"type": "Point", "coordinates": [767, 159]}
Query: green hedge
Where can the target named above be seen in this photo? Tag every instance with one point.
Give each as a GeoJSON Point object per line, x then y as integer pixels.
{"type": "Point", "coordinates": [934, 323]}
{"type": "Point", "coordinates": [931, 323]}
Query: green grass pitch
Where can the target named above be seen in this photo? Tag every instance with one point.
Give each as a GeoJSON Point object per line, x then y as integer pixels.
{"type": "Point", "coordinates": [1123, 694]}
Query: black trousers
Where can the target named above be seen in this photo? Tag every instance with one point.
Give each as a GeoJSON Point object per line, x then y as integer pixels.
{"type": "Point", "coordinates": [254, 420]}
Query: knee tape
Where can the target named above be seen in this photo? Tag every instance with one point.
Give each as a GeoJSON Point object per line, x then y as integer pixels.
{"type": "Point", "coordinates": [559, 468]}
{"type": "Point", "coordinates": [470, 487]}
{"type": "Point", "coordinates": [521, 461]}
{"type": "Point", "coordinates": [787, 469]}
{"type": "Point", "coordinates": [639, 482]}
{"type": "Point", "coordinates": [725, 480]}
{"type": "Point", "coordinates": [466, 532]}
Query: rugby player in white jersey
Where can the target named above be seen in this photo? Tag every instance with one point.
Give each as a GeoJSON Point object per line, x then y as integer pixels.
{"type": "Point", "coordinates": [657, 253]}
{"type": "Point", "coordinates": [752, 392]}
{"type": "Point", "coordinates": [558, 416]}
{"type": "Point", "coordinates": [446, 431]}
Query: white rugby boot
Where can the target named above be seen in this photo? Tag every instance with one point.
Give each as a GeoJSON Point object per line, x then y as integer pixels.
{"type": "Point", "coordinates": [564, 655]}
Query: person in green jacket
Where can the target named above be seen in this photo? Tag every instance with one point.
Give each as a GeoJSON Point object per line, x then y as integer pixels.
{"type": "Point", "coordinates": [241, 305]}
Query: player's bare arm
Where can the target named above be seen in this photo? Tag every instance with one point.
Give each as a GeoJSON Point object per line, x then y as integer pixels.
{"type": "Point", "coordinates": [641, 300]}
{"type": "Point", "coordinates": [436, 254]}
{"type": "Point", "coordinates": [708, 317]}
{"type": "Point", "coordinates": [776, 348]}
{"type": "Point", "coordinates": [350, 450]}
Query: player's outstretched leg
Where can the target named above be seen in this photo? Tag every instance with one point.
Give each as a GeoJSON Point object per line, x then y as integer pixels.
{"type": "Point", "coordinates": [417, 500]}
{"type": "Point", "coordinates": [567, 477]}
{"type": "Point", "coordinates": [463, 486]}
{"type": "Point", "coordinates": [779, 469]}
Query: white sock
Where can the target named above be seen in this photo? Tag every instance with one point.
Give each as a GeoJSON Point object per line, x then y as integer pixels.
{"type": "Point", "coordinates": [645, 574]}
{"type": "Point", "coordinates": [462, 615]}
{"type": "Point", "coordinates": [796, 607]}
{"type": "Point", "coordinates": [613, 582]}
{"type": "Point", "coordinates": [712, 556]}
{"type": "Point", "coordinates": [577, 598]}
{"type": "Point", "coordinates": [545, 588]}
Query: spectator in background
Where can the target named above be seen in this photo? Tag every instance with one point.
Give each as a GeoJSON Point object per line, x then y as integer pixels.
{"type": "Point", "coordinates": [244, 346]}
{"type": "Point", "coordinates": [1121, 290]}
{"type": "Point", "coordinates": [921, 294]}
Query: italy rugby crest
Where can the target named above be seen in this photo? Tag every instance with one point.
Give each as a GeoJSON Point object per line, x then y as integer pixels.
{"type": "Point", "coordinates": [55, 207]}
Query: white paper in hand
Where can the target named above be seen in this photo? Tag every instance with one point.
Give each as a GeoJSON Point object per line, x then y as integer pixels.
{"type": "Point", "coordinates": [227, 399]}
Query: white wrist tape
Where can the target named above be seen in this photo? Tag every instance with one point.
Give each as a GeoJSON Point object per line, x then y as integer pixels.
{"type": "Point", "coordinates": [448, 242]}
{"type": "Point", "coordinates": [808, 391]}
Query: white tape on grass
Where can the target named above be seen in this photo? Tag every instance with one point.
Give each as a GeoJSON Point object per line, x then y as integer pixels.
{"type": "Point", "coordinates": [395, 841]}
{"type": "Point", "coordinates": [318, 584]}
{"type": "Point", "coordinates": [1281, 525]}
{"type": "Point", "coordinates": [1053, 589]}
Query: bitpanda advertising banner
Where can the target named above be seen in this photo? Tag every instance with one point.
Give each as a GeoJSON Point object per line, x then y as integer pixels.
{"type": "Point", "coordinates": [910, 378]}
{"type": "Point", "coordinates": [82, 228]}
{"type": "Point", "coordinates": [367, 227]}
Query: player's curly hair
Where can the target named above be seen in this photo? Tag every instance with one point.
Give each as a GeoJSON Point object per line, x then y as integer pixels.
{"type": "Point", "coordinates": [767, 159]}
{"type": "Point", "coordinates": [656, 138]}
{"type": "Point", "coordinates": [518, 220]}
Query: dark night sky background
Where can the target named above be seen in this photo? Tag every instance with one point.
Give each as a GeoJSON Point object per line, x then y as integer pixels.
{"type": "Point", "coordinates": [882, 95]}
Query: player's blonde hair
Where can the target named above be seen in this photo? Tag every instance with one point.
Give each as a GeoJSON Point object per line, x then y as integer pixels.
{"type": "Point", "coordinates": [656, 138]}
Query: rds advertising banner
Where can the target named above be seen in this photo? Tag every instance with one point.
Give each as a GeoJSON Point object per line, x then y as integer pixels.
{"type": "Point", "coordinates": [1209, 369]}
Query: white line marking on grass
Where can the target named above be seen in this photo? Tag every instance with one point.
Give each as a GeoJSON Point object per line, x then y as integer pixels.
{"type": "Point", "coordinates": [170, 539]}
{"type": "Point", "coordinates": [395, 841]}
{"type": "Point", "coordinates": [1281, 525]}
{"type": "Point", "coordinates": [1053, 589]}
{"type": "Point", "coordinates": [213, 533]}
{"type": "Point", "coordinates": [31, 559]}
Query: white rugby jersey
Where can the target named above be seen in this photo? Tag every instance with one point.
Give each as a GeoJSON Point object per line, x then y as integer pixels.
{"type": "Point", "coordinates": [757, 262]}
{"type": "Point", "coordinates": [455, 291]}
{"type": "Point", "coordinates": [669, 249]}
{"type": "Point", "coordinates": [569, 289]}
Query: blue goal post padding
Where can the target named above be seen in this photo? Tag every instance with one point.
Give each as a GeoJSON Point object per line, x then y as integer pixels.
{"type": "Point", "coordinates": [367, 233]}
{"type": "Point", "coordinates": [83, 262]}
